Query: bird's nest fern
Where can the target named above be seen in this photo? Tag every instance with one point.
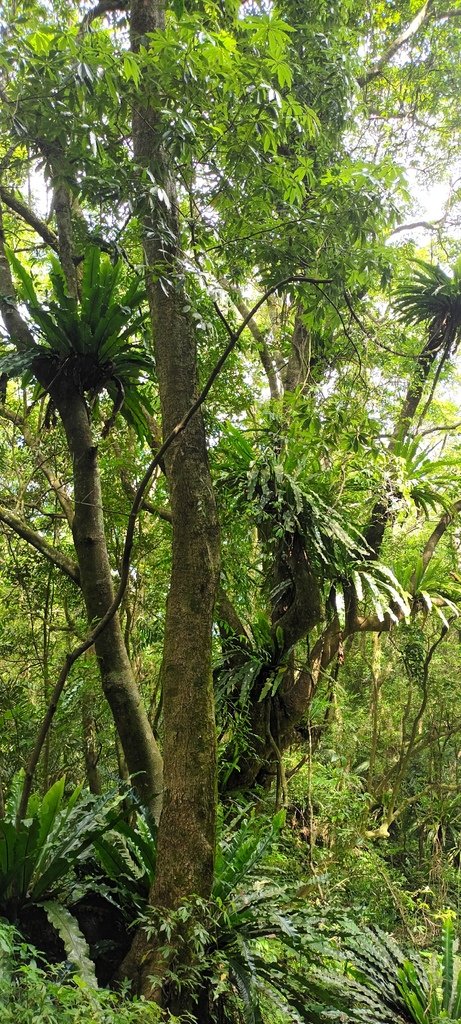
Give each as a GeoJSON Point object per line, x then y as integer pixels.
{"type": "Point", "coordinates": [87, 342]}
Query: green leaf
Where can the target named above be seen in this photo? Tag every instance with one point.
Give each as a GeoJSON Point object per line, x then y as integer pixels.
{"type": "Point", "coordinates": [57, 339]}
{"type": "Point", "coordinates": [16, 364]}
{"type": "Point", "coordinates": [90, 276]}
{"type": "Point", "coordinates": [131, 68]}
{"type": "Point", "coordinates": [41, 41]}
{"type": "Point", "coordinates": [27, 290]}
{"type": "Point", "coordinates": [456, 1006]}
{"type": "Point", "coordinates": [284, 75]}
{"type": "Point", "coordinates": [51, 804]}
{"type": "Point", "coordinates": [74, 942]}
{"type": "Point", "coordinates": [144, 847]}
{"type": "Point", "coordinates": [447, 960]}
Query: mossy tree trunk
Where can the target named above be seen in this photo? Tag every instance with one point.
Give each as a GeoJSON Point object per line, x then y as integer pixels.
{"type": "Point", "coordinates": [119, 685]}
{"type": "Point", "coordinates": [186, 837]}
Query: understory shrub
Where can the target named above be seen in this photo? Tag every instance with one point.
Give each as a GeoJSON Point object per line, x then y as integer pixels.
{"type": "Point", "coordinates": [32, 992]}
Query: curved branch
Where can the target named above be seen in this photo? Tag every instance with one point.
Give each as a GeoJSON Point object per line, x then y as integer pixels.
{"type": "Point", "coordinates": [420, 18]}
{"type": "Point", "coordinates": [226, 613]}
{"type": "Point", "coordinates": [429, 225]}
{"type": "Point", "coordinates": [437, 535]}
{"type": "Point", "coordinates": [444, 427]}
{"type": "Point", "coordinates": [379, 518]}
{"type": "Point", "coordinates": [258, 336]}
{"type": "Point", "coordinates": [424, 15]}
{"type": "Point", "coordinates": [102, 8]}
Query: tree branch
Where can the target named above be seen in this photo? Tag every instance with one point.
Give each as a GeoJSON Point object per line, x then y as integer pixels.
{"type": "Point", "coordinates": [426, 13]}
{"type": "Point", "coordinates": [379, 518]}
{"type": "Point", "coordinates": [147, 506]}
{"type": "Point", "coordinates": [30, 218]}
{"type": "Point", "coordinates": [258, 336]}
{"type": "Point", "coordinates": [42, 464]}
{"type": "Point", "coordinates": [420, 18]}
{"type": "Point", "coordinates": [430, 225]}
{"type": "Point", "coordinates": [435, 430]}
{"type": "Point", "coordinates": [63, 213]}
{"type": "Point", "coordinates": [17, 328]}
{"type": "Point", "coordinates": [102, 8]}
{"type": "Point", "coordinates": [56, 557]}
{"type": "Point", "coordinates": [227, 613]}
{"type": "Point", "coordinates": [436, 536]}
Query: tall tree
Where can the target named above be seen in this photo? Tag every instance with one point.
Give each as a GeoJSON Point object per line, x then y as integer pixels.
{"type": "Point", "coordinates": [186, 836]}
{"type": "Point", "coordinates": [220, 152]}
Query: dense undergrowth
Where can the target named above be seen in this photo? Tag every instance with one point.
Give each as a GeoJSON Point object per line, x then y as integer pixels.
{"type": "Point", "coordinates": [294, 930]}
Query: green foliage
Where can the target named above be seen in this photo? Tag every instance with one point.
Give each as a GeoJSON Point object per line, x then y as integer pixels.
{"type": "Point", "coordinates": [397, 986]}
{"type": "Point", "coordinates": [88, 341]}
{"type": "Point", "coordinates": [286, 157]}
{"type": "Point", "coordinates": [242, 851]}
{"type": "Point", "coordinates": [76, 947]}
{"type": "Point", "coordinates": [40, 855]}
{"type": "Point", "coordinates": [260, 923]}
{"type": "Point", "coordinates": [287, 496]}
{"type": "Point", "coordinates": [256, 950]}
{"type": "Point", "coordinates": [37, 853]}
{"type": "Point", "coordinates": [33, 994]}
{"type": "Point", "coordinates": [436, 997]}
{"type": "Point", "coordinates": [426, 481]}
{"type": "Point", "coordinates": [127, 855]}
{"type": "Point", "coordinates": [431, 294]}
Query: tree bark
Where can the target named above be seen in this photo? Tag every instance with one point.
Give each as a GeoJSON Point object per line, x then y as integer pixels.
{"type": "Point", "coordinates": [119, 685]}
{"type": "Point", "coordinates": [186, 835]}
{"type": "Point", "coordinates": [90, 746]}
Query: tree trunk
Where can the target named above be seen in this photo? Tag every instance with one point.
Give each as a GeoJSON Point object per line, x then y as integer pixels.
{"type": "Point", "coordinates": [285, 714]}
{"type": "Point", "coordinates": [119, 685]}
{"type": "Point", "coordinates": [186, 836]}
{"type": "Point", "coordinates": [91, 749]}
